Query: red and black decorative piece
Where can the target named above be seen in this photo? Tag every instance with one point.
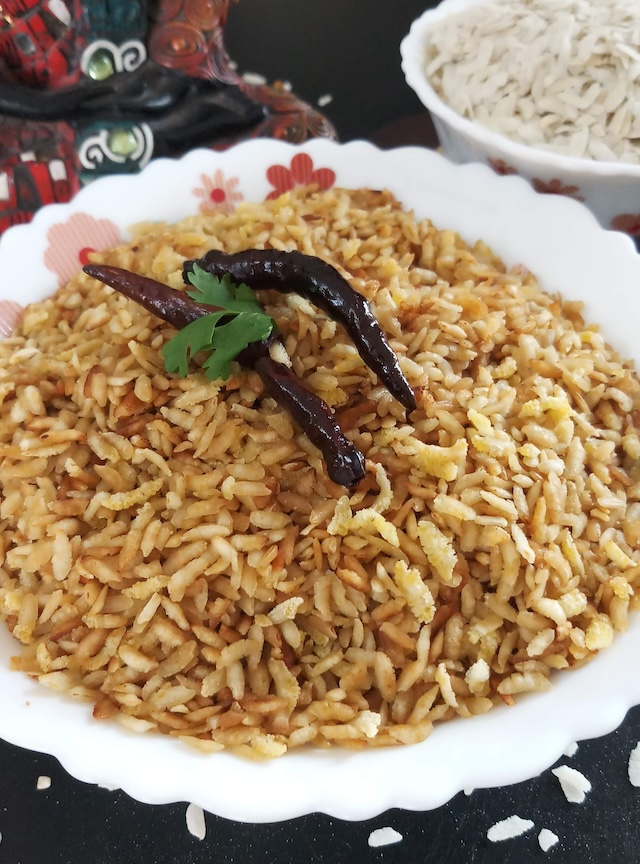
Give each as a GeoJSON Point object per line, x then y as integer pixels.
{"type": "Point", "coordinates": [95, 87]}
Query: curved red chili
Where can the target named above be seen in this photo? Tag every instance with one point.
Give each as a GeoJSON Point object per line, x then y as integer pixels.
{"type": "Point", "coordinates": [172, 306]}
{"type": "Point", "coordinates": [321, 284]}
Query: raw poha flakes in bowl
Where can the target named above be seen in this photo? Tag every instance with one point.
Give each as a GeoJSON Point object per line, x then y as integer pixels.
{"type": "Point", "coordinates": [547, 89]}
{"type": "Point", "coordinates": [174, 553]}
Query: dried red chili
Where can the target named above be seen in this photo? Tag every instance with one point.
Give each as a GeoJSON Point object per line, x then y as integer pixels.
{"type": "Point", "coordinates": [321, 284]}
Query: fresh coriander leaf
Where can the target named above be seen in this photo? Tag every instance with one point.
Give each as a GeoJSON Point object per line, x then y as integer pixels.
{"type": "Point", "coordinates": [245, 322]}
{"type": "Point", "coordinates": [188, 341]}
{"type": "Point", "coordinates": [230, 339]}
{"type": "Point", "coordinates": [210, 288]}
{"type": "Point", "coordinates": [221, 292]}
{"type": "Point", "coordinates": [244, 294]}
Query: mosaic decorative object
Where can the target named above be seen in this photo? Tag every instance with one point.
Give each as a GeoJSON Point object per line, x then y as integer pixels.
{"type": "Point", "coordinates": [96, 87]}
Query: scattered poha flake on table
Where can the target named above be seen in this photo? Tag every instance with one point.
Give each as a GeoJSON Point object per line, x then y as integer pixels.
{"type": "Point", "coordinates": [384, 837]}
{"type": "Point", "coordinates": [634, 766]}
{"type": "Point", "coordinates": [547, 839]}
{"type": "Point", "coordinates": [507, 829]}
{"type": "Point", "coordinates": [574, 784]}
{"type": "Point", "coordinates": [195, 821]}
{"type": "Point", "coordinates": [43, 782]}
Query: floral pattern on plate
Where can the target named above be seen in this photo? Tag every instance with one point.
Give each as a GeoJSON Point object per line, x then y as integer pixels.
{"type": "Point", "coordinates": [627, 222]}
{"type": "Point", "coordinates": [501, 167]}
{"type": "Point", "coordinates": [556, 187]}
{"type": "Point", "coordinates": [301, 172]}
{"type": "Point", "coordinates": [10, 315]}
{"type": "Point", "coordinates": [218, 193]}
{"type": "Point", "coordinates": [71, 242]}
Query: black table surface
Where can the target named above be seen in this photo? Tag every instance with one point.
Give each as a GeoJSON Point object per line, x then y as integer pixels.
{"type": "Point", "coordinates": [346, 49]}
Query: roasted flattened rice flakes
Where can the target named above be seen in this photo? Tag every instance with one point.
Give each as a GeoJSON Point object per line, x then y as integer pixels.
{"type": "Point", "coordinates": [173, 550]}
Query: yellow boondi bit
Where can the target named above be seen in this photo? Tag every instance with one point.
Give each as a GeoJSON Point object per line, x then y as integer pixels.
{"type": "Point", "coordinates": [487, 439]}
{"type": "Point", "coordinates": [447, 505]}
{"type": "Point", "coordinates": [286, 683]}
{"type": "Point", "coordinates": [12, 600]}
{"type": "Point", "coordinates": [285, 611]}
{"type": "Point", "coordinates": [146, 587]}
{"type": "Point", "coordinates": [557, 406]}
{"type": "Point", "coordinates": [384, 499]}
{"type": "Point", "coordinates": [599, 633]}
{"type": "Point", "coordinates": [439, 551]}
{"type": "Point", "coordinates": [367, 521]}
{"type": "Point", "coordinates": [477, 676]}
{"type": "Point", "coordinates": [615, 554]}
{"type": "Point", "coordinates": [621, 588]}
{"type": "Point", "coordinates": [573, 603]}
{"type": "Point", "coordinates": [506, 369]}
{"type": "Point", "coordinates": [417, 594]}
{"type": "Point", "coordinates": [367, 722]}
{"type": "Point", "coordinates": [268, 746]}
{"type": "Point", "coordinates": [482, 423]}
{"type": "Point", "coordinates": [430, 459]}
{"type": "Point", "coordinates": [124, 500]}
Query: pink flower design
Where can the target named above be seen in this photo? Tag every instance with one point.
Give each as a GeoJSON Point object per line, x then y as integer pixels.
{"type": "Point", "coordinates": [299, 173]}
{"type": "Point", "coordinates": [501, 167]}
{"type": "Point", "coordinates": [556, 187]}
{"type": "Point", "coordinates": [218, 193]}
{"type": "Point", "coordinates": [71, 242]}
{"type": "Point", "coordinates": [627, 222]}
{"type": "Point", "coordinates": [10, 315]}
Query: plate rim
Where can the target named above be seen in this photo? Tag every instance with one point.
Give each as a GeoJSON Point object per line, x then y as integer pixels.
{"type": "Point", "coordinates": [375, 770]}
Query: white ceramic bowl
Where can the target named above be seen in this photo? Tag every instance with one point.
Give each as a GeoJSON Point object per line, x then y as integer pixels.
{"type": "Point", "coordinates": [610, 189]}
{"type": "Point", "coordinates": [556, 238]}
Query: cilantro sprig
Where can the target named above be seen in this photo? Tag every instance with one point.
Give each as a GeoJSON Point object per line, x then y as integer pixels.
{"type": "Point", "coordinates": [225, 334]}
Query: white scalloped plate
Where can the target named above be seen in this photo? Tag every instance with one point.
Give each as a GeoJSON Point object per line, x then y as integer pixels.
{"type": "Point", "coordinates": [556, 238]}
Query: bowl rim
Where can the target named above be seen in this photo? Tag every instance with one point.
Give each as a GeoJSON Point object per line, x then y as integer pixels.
{"type": "Point", "coordinates": [411, 52]}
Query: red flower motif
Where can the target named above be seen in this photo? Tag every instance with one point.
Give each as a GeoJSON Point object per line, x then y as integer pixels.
{"type": "Point", "coordinates": [218, 193]}
{"type": "Point", "coordinates": [501, 167]}
{"type": "Point", "coordinates": [10, 315]}
{"type": "Point", "coordinates": [555, 187]}
{"type": "Point", "coordinates": [299, 173]}
{"type": "Point", "coordinates": [627, 222]}
{"type": "Point", "coordinates": [71, 242]}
